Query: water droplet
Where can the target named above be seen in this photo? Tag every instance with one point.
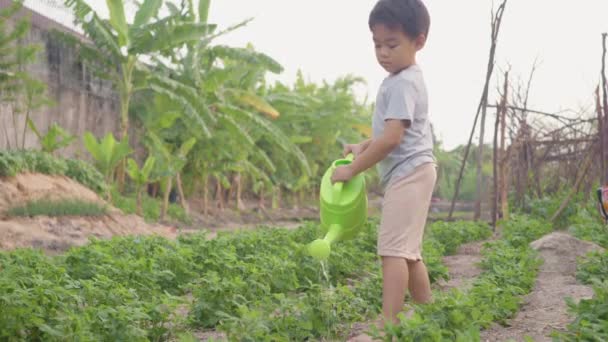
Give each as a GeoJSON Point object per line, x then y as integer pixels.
{"type": "Point", "coordinates": [324, 271]}
{"type": "Point", "coordinates": [124, 51]}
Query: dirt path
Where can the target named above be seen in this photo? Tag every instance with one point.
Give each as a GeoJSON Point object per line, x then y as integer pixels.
{"type": "Point", "coordinates": [544, 309]}
{"type": "Point", "coordinates": [462, 266]}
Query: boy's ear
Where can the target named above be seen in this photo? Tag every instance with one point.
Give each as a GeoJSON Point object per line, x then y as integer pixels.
{"type": "Point", "coordinates": [420, 41]}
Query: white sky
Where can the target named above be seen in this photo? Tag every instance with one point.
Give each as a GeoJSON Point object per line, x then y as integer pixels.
{"type": "Point", "coordinates": [330, 38]}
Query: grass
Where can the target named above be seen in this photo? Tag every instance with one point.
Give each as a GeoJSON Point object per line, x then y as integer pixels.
{"type": "Point", "coordinates": [151, 207]}
{"type": "Point", "coordinates": [55, 208]}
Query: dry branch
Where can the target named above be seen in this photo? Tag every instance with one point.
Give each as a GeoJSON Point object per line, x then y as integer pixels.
{"type": "Point", "coordinates": [579, 179]}
{"type": "Point", "coordinates": [496, 23]}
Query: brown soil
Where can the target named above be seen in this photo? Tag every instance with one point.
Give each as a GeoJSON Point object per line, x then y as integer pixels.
{"type": "Point", "coordinates": [544, 310]}
{"type": "Point", "coordinates": [58, 234]}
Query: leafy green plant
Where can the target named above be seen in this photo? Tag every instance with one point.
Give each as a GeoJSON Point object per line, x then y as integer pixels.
{"type": "Point", "coordinates": [66, 207]}
{"type": "Point", "coordinates": [40, 301]}
{"type": "Point", "coordinates": [107, 153]}
{"type": "Point", "coordinates": [453, 234]}
{"type": "Point", "coordinates": [151, 207]}
{"type": "Point", "coordinates": [593, 266]}
{"type": "Point", "coordinates": [253, 285]}
{"type": "Point", "coordinates": [12, 163]}
{"type": "Point", "coordinates": [591, 319]}
{"type": "Point", "coordinates": [55, 138]}
{"type": "Point", "coordinates": [141, 177]}
{"type": "Point", "coordinates": [253, 307]}
{"type": "Point", "coordinates": [587, 224]}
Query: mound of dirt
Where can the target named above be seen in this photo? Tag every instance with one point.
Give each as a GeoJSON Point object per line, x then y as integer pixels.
{"type": "Point", "coordinates": [58, 234]}
{"type": "Point", "coordinates": [544, 309]}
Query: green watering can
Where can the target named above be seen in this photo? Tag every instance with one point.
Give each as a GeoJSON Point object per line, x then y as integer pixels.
{"type": "Point", "coordinates": [343, 210]}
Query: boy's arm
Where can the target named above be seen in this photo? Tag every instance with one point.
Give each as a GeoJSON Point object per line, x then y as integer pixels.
{"type": "Point", "coordinates": [365, 144]}
{"type": "Point", "coordinates": [378, 149]}
{"type": "Point", "coordinates": [356, 149]}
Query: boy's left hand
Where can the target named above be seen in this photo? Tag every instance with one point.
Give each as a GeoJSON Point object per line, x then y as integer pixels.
{"type": "Point", "coordinates": [342, 174]}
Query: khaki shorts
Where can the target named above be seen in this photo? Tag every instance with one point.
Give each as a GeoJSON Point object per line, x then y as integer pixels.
{"type": "Point", "coordinates": [404, 212]}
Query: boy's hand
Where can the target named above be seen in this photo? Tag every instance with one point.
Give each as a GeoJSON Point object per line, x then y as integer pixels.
{"type": "Point", "coordinates": [342, 174]}
{"type": "Point", "coordinates": [355, 149]}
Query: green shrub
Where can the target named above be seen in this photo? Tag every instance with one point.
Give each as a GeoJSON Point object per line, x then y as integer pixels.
{"type": "Point", "coordinates": [12, 163]}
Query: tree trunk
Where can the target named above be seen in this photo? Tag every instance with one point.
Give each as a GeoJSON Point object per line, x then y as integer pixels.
{"type": "Point", "coordinates": [219, 195]}
{"type": "Point", "coordinates": [605, 102]}
{"type": "Point", "coordinates": [230, 193]}
{"type": "Point", "coordinates": [480, 186]}
{"type": "Point", "coordinates": [6, 136]}
{"type": "Point", "coordinates": [27, 117]}
{"type": "Point", "coordinates": [124, 125]}
{"type": "Point", "coordinates": [275, 197]}
{"type": "Point", "coordinates": [139, 209]}
{"type": "Point", "coordinates": [495, 171]}
{"type": "Point", "coordinates": [206, 195]}
{"type": "Point", "coordinates": [16, 129]}
{"type": "Point", "coordinates": [504, 193]}
{"type": "Point", "coordinates": [261, 204]}
{"type": "Point", "coordinates": [182, 197]}
{"type": "Point", "coordinates": [239, 192]}
{"type": "Point", "coordinates": [165, 207]}
{"type": "Point", "coordinates": [500, 185]}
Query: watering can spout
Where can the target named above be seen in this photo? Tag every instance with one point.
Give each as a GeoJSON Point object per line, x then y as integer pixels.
{"type": "Point", "coordinates": [321, 248]}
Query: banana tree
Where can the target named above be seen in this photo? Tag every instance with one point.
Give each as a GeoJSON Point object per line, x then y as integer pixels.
{"type": "Point", "coordinates": [171, 162]}
{"type": "Point", "coordinates": [118, 45]}
{"type": "Point", "coordinates": [141, 177]}
{"type": "Point", "coordinates": [54, 139]}
{"type": "Point", "coordinates": [221, 84]}
{"type": "Point", "coordinates": [107, 153]}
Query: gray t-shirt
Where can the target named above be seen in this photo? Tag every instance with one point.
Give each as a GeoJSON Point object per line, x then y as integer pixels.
{"type": "Point", "coordinates": [403, 96]}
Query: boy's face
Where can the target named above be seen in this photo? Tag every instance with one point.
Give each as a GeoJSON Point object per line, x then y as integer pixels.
{"type": "Point", "coordinates": [395, 51]}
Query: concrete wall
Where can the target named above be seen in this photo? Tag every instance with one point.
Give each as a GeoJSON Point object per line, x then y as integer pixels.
{"type": "Point", "coordinates": [82, 102]}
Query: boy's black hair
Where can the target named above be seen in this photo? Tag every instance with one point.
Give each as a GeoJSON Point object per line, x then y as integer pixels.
{"type": "Point", "coordinates": [411, 16]}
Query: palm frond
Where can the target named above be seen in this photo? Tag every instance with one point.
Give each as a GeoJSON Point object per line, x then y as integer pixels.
{"type": "Point", "coordinates": [275, 134]}
{"type": "Point", "coordinates": [97, 30]}
{"type": "Point", "coordinates": [245, 55]}
{"type": "Point", "coordinates": [148, 10]}
{"type": "Point", "coordinates": [191, 113]}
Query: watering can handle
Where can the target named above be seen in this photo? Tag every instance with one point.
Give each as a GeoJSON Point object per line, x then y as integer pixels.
{"type": "Point", "coordinates": [339, 185]}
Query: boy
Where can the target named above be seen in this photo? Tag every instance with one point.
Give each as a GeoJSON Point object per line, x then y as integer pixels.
{"type": "Point", "coordinates": [402, 146]}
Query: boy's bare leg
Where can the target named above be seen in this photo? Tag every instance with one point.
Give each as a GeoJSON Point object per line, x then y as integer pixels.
{"type": "Point", "coordinates": [419, 283]}
{"type": "Point", "coordinates": [395, 281]}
